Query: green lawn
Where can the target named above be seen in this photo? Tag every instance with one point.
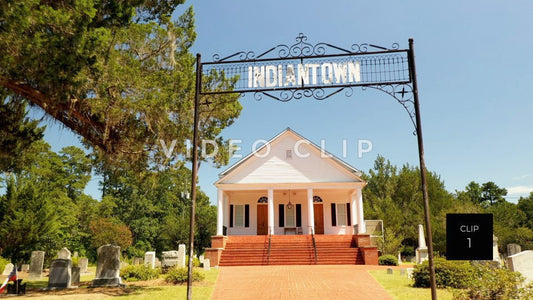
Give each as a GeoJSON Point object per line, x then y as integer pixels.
{"type": "Point", "coordinates": [400, 287]}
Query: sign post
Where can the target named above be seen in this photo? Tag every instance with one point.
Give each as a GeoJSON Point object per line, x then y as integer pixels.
{"type": "Point", "coordinates": [287, 72]}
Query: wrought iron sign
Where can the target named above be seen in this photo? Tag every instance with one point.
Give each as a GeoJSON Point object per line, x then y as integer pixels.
{"type": "Point", "coordinates": [287, 72]}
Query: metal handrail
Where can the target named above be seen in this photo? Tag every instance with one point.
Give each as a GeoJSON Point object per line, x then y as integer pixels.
{"type": "Point", "coordinates": [312, 230]}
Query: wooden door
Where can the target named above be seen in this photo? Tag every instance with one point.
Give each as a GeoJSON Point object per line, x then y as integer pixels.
{"type": "Point", "coordinates": [319, 218]}
{"type": "Point", "coordinates": [262, 219]}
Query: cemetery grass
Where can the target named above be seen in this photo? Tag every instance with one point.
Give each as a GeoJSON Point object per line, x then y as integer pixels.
{"type": "Point", "coordinates": [400, 287]}
{"type": "Point", "coordinates": [151, 289]}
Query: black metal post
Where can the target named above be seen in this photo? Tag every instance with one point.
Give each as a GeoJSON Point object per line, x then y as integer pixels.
{"type": "Point", "coordinates": [194, 171]}
{"type": "Point", "coordinates": [423, 171]}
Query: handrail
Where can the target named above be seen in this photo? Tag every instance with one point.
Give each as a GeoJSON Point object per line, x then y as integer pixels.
{"type": "Point", "coordinates": [312, 230]}
{"type": "Point", "coordinates": [269, 245]}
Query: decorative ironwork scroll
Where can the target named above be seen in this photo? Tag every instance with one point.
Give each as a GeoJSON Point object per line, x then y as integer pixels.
{"type": "Point", "coordinates": [287, 72]}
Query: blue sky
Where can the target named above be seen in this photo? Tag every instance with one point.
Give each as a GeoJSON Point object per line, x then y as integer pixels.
{"type": "Point", "coordinates": [475, 75]}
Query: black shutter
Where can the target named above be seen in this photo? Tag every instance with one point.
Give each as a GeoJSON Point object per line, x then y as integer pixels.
{"type": "Point", "coordinates": [281, 215]}
{"type": "Point", "coordinates": [231, 215]}
{"type": "Point", "coordinates": [298, 215]}
{"type": "Point", "coordinates": [333, 215]}
{"type": "Point", "coordinates": [348, 214]}
{"type": "Point", "coordinates": [247, 215]}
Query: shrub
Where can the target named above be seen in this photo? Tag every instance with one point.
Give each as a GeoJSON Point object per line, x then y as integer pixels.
{"type": "Point", "coordinates": [195, 261]}
{"type": "Point", "coordinates": [139, 272]}
{"type": "Point", "coordinates": [75, 261]}
{"type": "Point", "coordinates": [495, 283]}
{"type": "Point", "coordinates": [388, 260]}
{"type": "Point", "coordinates": [448, 273]}
{"type": "Point", "coordinates": [176, 276]}
{"type": "Point", "coordinates": [3, 263]}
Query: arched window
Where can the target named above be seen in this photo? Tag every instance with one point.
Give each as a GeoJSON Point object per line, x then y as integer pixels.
{"type": "Point", "coordinates": [317, 199]}
{"type": "Point", "coordinates": [262, 200]}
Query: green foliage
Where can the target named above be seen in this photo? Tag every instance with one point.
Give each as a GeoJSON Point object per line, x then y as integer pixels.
{"type": "Point", "coordinates": [104, 232]}
{"type": "Point", "coordinates": [139, 272]}
{"type": "Point", "coordinates": [495, 283]}
{"type": "Point", "coordinates": [454, 274]}
{"type": "Point", "coordinates": [3, 263]}
{"type": "Point", "coordinates": [195, 261]}
{"type": "Point", "coordinates": [179, 275]}
{"type": "Point", "coordinates": [388, 260]}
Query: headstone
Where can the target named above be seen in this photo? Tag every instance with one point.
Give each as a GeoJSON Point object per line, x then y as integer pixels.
{"type": "Point", "coordinates": [7, 269]}
{"type": "Point", "coordinates": [60, 273]}
{"type": "Point", "coordinates": [36, 265]}
{"type": "Point", "coordinates": [108, 267]}
{"type": "Point", "coordinates": [137, 261]}
{"type": "Point", "coordinates": [207, 264]}
{"type": "Point", "coordinates": [402, 272]}
{"type": "Point", "coordinates": [25, 268]}
{"type": "Point", "coordinates": [63, 254]}
{"type": "Point", "coordinates": [181, 256]}
{"type": "Point", "coordinates": [522, 262]}
{"type": "Point", "coordinates": [169, 259]}
{"type": "Point", "coordinates": [83, 263]}
{"type": "Point", "coordinates": [75, 279]}
{"type": "Point", "coordinates": [75, 254]}
{"type": "Point", "coordinates": [495, 253]}
{"type": "Point", "coordinates": [513, 249]}
{"type": "Point", "coordinates": [149, 259]}
{"type": "Point", "coordinates": [201, 259]}
{"type": "Point", "coordinates": [123, 264]}
{"type": "Point", "coordinates": [389, 271]}
{"type": "Point", "coordinates": [399, 258]}
{"type": "Point", "coordinates": [422, 250]}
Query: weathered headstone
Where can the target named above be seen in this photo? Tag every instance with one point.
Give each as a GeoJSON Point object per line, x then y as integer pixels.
{"type": "Point", "coordinates": [63, 254]}
{"type": "Point", "coordinates": [201, 259]}
{"type": "Point", "coordinates": [169, 259]}
{"type": "Point", "coordinates": [522, 262]}
{"type": "Point", "coordinates": [495, 253]}
{"type": "Point", "coordinates": [36, 265]}
{"type": "Point", "coordinates": [25, 268]}
{"type": "Point", "coordinates": [399, 258]}
{"type": "Point", "coordinates": [83, 263]}
{"type": "Point", "coordinates": [513, 249]}
{"type": "Point", "coordinates": [181, 256]}
{"type": "Point", "coordinates": [402, 272]}
{"type": "Point", "coordinates": [149, 259]}
{"type": "Point", "coordinates": [108, 267]}
{"type": "Point", "coordinates": [60, 273]}
{"type": "Point", "coordinates": [207, 264]}
{"type": "Point", "coordinates": [75, 254]}
{"type": "Point", "coordinates": [137, 261]}
{"type": "Point", "coordinates": [422, 250]}
{"type": "Point", "coordinates": [390, 271]}
{"type": "Point", "coordinates": [75, 279]}
{"type": "Point", "coordinates": [7, 269]}
{"type": "Point", "coordinates": [410, 272]}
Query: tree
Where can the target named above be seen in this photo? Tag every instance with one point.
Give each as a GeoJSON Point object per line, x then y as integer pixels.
{"type": "Point", "coordinates": [525, 205]}
{"type": "Point", "coordinates": [492, 194]}
{"type": "Point", "coordinates": [118, 73]}
{"type": "Point", "coordinates": [104, 232]}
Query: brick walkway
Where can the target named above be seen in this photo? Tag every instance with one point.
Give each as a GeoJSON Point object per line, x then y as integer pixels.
{"type": "Point", "coordinates": [299, 282]}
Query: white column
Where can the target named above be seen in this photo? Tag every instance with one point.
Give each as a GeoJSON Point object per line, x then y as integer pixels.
{"type": "Point", "coordinates": [220, 211]}
{"type": "Point", "coordinates": [226, 212]}
{"type": "Point", "coordinates": [271, 211]}
{"type": "Point", "coordinates": [310, 211]}
{"type": "Point", "coordinates": [353, 210]}
{"type": "Point", "coordinates": [361, 228]}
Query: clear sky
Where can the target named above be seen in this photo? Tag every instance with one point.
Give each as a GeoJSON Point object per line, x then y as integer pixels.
{"type": "Point", "coordinates": [475, 79]}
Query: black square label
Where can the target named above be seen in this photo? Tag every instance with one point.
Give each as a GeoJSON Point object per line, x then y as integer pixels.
{"type": "Point", "coordinates": [469, 237]}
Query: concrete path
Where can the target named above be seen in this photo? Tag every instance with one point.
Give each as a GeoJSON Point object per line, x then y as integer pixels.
{"type": "Point", "coordinates": [299, 282]}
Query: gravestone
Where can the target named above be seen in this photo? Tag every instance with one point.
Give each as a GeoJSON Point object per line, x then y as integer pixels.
{"type": "Point", "coordinates": [75, 279]}
{"type": "Point", "coordinates": [495, 253]}
{"type": "Point", "coordinates": [181, 256]}
{"type": "Point", "coordinates": [410, 272]}
{"type": "Point", "coordinates": [75, 254]}
{"type": "Point", "coordinates": [399, 258]}
{"type": "Point", "coordinates": [201, 259]}
{"type": "Point", "coordinates": [63, 254]}
{"type": "Point", "coordinates": [169, 259]}
{"type": "Point", "coordinates": [123, 264]}
{"type": "Point", "coordinates": [108, 267]}
{"type": "Point", "coordinates": [7, 269]}
{"type": "Point", "coordinates": [522, 262]}
{"type": "Point", "coordinates": [207, 264]}
{"type": "Point", "coordinates": [422, 250]}
{"type": "Point", "coordinates": [137, 261]}
{"type": "Point", "coordinates": [36, 265]}
{"type": "Point", "coordinates": [402, 272]}
{"type": "Point", "coordinates": [390, 271]}
{"type": "Point", "coordinates": [149, 259]}
{"type": "Point", "coordinates": [60, 273]}
{"type": "Point", "coordinates": [25, 268]}
{"type": "Point", "coordinates": [83, 263]}
{"type": "Point", "coordinates": [513, 249]}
